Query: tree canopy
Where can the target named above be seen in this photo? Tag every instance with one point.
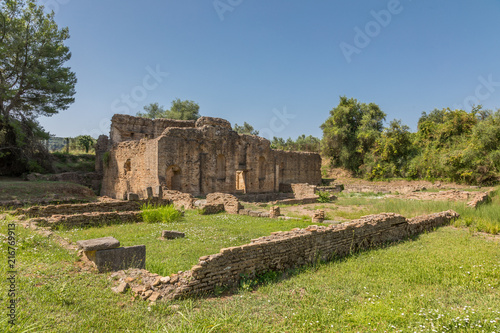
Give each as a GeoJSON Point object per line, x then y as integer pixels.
{"type": "Point", "coordinates": [180, 110]}
{"type": "Point", "coordinates": [33, 80]}
{"type": "Point", "coordinates": [350, 132]}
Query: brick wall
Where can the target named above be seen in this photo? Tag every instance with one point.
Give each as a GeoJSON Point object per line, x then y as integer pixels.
{"type": "Point", "coordinates": [112, 206]}
{"type": "Point", "coordinates": [283, 250]}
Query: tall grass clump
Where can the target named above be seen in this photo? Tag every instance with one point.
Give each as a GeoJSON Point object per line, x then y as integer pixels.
{"type": "Point", "coordinates": [323, 196]}
{"type": "Point", "coordinates": [153, 213]}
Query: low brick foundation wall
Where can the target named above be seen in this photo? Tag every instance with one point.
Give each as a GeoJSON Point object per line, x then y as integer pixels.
{"type": "Point", "coordinates": [283, 250]}
{"type": "Point", "coordinates": [301, 201]}
{"type": "Point", "coordinates": [479, 199]}
{"type": "Point", "coordinates": [89, 219]}
{"type": "Point", "coordinates": [104, 206]}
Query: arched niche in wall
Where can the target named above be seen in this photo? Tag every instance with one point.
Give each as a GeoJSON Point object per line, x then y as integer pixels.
{"type": "Point", "coordinates": [173, 176]}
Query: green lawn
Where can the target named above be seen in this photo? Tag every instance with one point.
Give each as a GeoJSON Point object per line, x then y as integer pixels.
{"type": "Point", "coordinates": [35, 191]}
{"type": "Point", "coordinates": [205, 234]}
{"type": "Point", "coordinates": [485, 218]}
{"type": "Point", "coordinates": [445, 280]}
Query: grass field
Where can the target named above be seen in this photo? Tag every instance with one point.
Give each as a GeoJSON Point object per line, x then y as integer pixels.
{"type": "Point", "coordinates": [36, 191]}
{"type": "Point", "coordinates": [445, 281]}
{"type": "Point", "coordinates": [205, 234]}
{"type": "Point", "coordinates": [74, 161]}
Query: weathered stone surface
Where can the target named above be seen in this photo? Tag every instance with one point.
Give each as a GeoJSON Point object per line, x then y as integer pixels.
{"type": "Point", "coordinates": [101, 147]}
{"type": "Point", "coordinates": [318, 216]}
{"type": "Point", "coordinates": [230, 202]}
{"type": "Point", "coordinates": [212, 209]}
{"type": "Point", "coordinates": [302, 201]}
{"type": "Point", "coordinates": [132, 196]}
{"type": "Point", "coordinates": [274, 212]}
{"type": "Point", "coordinates": [159, 191]}
{"type": "Point", "coordinates": [90, 219]}
{"type": "Point", "coordinates": [96, 244]}
{"type": "Point", "coordinates": [108, 205]}
{"type": "Point", "coordinates": [199, 158]}
{"type": "Point", "coordinates": [179, 199]}
{"type": "Point", "coordinates": [302, 191]}
{"type": "Point", "coordinates": [149, 192]}
{"type": "Point", "coordinates": [169, 234]}
{"type": "Point", "coordinates": [479, 199]}
{"type": "Point", "coordinates": [154, 296]}
{"type": "Point", "coordinates": [121, 258]}
{"type": "Point", "coordinates": [121, 288]}
{"type": "Point", "coordinates": [157, 282]}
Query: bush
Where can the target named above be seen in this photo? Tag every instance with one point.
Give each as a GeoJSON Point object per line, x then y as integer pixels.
{"type": "Point", "coordinates": [152, 213]}
{"type": "Point", "coordinates": [105, 158]}
{"type": "Point", "coordinates": [324, 197]}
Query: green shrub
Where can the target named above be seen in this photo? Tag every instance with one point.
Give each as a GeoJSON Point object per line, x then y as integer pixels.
{"type": "Point", "coordinates": [105, 158]}
{"type": "Point", "coordinates": [324, 197]}
{"type": "Point", "coordinates": [152, 213]}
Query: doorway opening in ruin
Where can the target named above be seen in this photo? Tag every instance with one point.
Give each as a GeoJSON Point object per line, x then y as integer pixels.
{"type": "Point", "coordinates": [173, 176]}
{"type": "Point", "coordinates": [241, 176]}
{"type": "Point", "coordinates": [221, 167]}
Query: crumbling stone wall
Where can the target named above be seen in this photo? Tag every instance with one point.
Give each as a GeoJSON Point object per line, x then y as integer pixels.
{"type": "Point", "coordinates": [101, 147]}
{"type": "Point", "coordinates": [230, 202]}
{"type": "Point", "coordinates": [89, 219]}
{"type": "Point", "coordinates": [111, 206]}
{"type": "Point", "coordinates": [283, 250]}
{"type": "Point", "coordinates": [180, 200]}
{"type": "Point", "coordinates": [131, 168]}
{"type": "Point", "coordinates": [125, 127]}
{"type": "Point", "coordinates": [301, 191]}
{"type": "Point", "coordinates": [199, 158]}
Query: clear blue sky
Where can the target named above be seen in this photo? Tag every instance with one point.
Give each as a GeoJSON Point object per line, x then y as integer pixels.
{"type": "Point", "coordinates": [279, 65]}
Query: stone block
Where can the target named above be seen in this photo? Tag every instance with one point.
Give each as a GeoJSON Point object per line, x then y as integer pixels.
{"type": "Point", "coordinates": [169, 234]}
{"type": "Point", "coordinates": [96, 244]}
{"type": "Point", "coordinates": [121, 288]}
{"type": "Point", "coordinates": [121, 258]}
{"type": "Point", "coordinates": [132, 196]}
{"type": "Point", "coordinates": [159, 191]}
{"type": "Point", "coordinates": [274, 212]}
{"type": "Point", "coordinates": [318, 216]}
{"type": "Point", "coordinates": [149, 192]}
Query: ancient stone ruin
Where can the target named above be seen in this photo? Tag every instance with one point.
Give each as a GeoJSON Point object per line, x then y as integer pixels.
{"type": "Point", "coordinates": [196, 157]}
{"type": "Point", "coordinates": [107, 255]}
{"type": "Point", "coordinates": [280, 251]}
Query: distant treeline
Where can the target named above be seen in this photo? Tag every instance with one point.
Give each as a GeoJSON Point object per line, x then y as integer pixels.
{"type": "Point", "coordinates": [453, 145]}
{"type": "Point", "coordinates": [80, 143]}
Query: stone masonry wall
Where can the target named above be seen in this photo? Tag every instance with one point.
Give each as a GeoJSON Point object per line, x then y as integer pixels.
{"type": "Point", "coordinates": [283, 250]}
{"type": "Point", "coordinates": [301, 191]}
{"type": "Point", "coordinates": [131, 168]}
{"type": "Point", "coordinates": [112, 206]}
{"type": "Point", "coordinates": [89, 219]}
{"type": "Point", "coordinates": [230, 202]}
{"type": "Point", "coordinates": [125, 127]}
{"type": "Point", "coordinates": [199, 158]}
